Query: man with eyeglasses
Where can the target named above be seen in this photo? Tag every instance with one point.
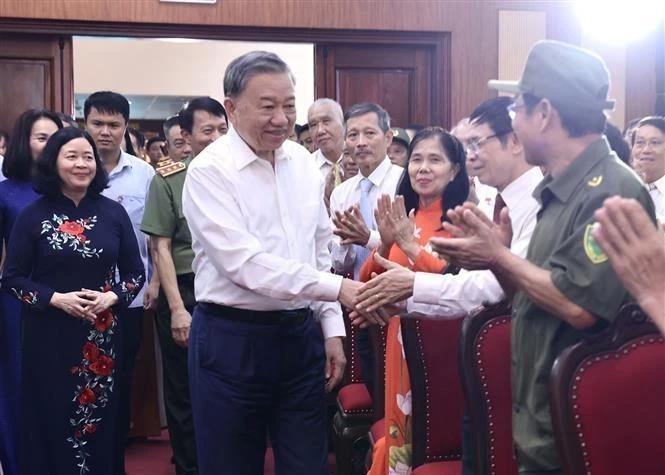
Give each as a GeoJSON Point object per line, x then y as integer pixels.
{"type": "Point", "coordinates": [565, 288]}
{"type": "Point", "coordinates": [649, 159]}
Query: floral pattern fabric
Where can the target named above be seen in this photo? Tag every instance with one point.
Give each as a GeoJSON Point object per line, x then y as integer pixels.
{"type": "Point", "coordinates": [57, 246]}
{"type": "Point", "coordinates": [393, 453]}
{"type": "Point", "coordinates": [60, 232]}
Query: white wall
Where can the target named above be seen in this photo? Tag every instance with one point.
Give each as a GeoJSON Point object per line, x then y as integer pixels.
{"type": "Point", "coordinates": [196, 68]}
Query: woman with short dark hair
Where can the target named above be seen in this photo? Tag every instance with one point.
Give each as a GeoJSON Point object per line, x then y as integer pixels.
{"type": "Point", "coordinates": [64, 253]}
{"type": "Point", "coordinates": [31, 132]}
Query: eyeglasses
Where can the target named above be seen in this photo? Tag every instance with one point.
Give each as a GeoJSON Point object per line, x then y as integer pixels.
{"type": "Point", "coordinates": [513, 107]}
{"type": "Point", "coordinates": [474, 146]}
{"type": "Point", "coordinates": [641, 144]}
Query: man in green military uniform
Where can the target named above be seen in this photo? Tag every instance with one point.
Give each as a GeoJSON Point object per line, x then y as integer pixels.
{"type": "Point", "coordinates": [201, 123]}
{"type": "Point", "coordinates": [566, 287]}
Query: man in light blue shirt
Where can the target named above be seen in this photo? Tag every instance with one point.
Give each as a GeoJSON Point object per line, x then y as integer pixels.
{"type": "Point", "coordinates": [106, 115]}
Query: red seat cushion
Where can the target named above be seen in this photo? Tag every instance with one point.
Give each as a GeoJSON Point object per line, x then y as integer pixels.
{"type": "Point", "coordinates": [454, 467]}
{"type": "Point", "coordinates": [378, 430]}
{"type": "Point", "coordinates": [354, 397]}
{"type": "Point", "coordinates": [618, 401]}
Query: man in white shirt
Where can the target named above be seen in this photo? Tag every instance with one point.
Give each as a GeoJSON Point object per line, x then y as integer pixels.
{"type": "Point", "coordinates": [649, 159]}
{"type": "Point", "coordinates": [106, 115]}
{"type": "Point", "coordinates": [326, 126]}
{"type": "Point", "coordinates": [325, 120]}
{"type": "Point", "coordinates": [260, 235]}
{"type": "Point", "coordinates": [496, 157]}
{"type": "Point", "coordinates": [352, 204]}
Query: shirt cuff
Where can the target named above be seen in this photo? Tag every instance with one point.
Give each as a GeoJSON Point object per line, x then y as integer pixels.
{"type": "Point", "coordinates": [374, 239]}
{"type": "Point", "coordinates": [328, 287]}
{"type": "Point", "coordinates": [332, 325]}
{"type": "Point", "coordinates": [426, 288]}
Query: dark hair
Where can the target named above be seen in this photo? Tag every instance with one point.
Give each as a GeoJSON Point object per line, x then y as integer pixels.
{"type": "Point", "coordinates": [18, 163]}
{"type": "Point", "coordinates": [152, 140]}
{"type": "Point", "coordinates": [302, 128]}
{"type": "Point", "coordinates": [46, 180]}
{"type": "Point", "coordinates": [208, 104]}
{"type": "Point", "coordinates": [138, 135]}
{"type": "Point", "coordinates": [494, 113]}
{"type": "Point", "coordinates": [575, 123]}
{"type": "Point", "coordinates": [617, 142]}
{"type": "Point", "coordinates": [363, 108]}
{"type": "Point", "coordinates": [4, 135]}
{"type": "Point", "coordinates": [129, 148]}
{"type": "Point", "coordinates": [654, 121]}
{"type": "Point", "coordinates": [457, 191]}
{"type": "Point", "coordinates": [107, 102]}
{"type": "Point", "coordinates": [243, 68]}
{"type": "Point", "coordinates": [67, 119]}
{"type": "Point", "coordinates": [169, 124]}
{"type": "Point", "coordinates": [297, 128]}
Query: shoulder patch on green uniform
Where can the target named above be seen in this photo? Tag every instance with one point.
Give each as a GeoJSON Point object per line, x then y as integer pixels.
{"type": "Point", "coordinates": [171, 169]}
{"type": "Point", "coordinates": [591, 247]}
{"type": "Point", "coordinates": [595, 181]}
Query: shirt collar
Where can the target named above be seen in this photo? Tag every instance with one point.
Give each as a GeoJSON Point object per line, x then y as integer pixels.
{"type": "Point", "coordinates": [123, 162]}
{"type": "Point", "coordinates": [243, 155]}
{"type": "Point", "coordinates": [379, 173]}
{"type": "Point", "coordinates": [565, 184]}
{"type": "Point", "coordinates": [518, 191]}
{"type": "Point", "coordinates": [322, 161]}
{"type": "Point", "coordinates": [660, 184]}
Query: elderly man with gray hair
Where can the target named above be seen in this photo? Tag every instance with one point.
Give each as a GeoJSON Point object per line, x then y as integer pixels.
{"type": "Point", "coordinates": [259, 363]}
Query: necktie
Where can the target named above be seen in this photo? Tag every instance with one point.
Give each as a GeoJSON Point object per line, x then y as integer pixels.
{"type": "Point", "coordinates": [652, 187]}
{"type": "Point", "coordinates": [366, 209]}
{"type": "Point", "coordinates": [499, 204]}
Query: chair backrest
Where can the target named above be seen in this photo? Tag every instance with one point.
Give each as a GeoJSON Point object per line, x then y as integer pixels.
{"type": "Point", "coordinates": [430, 347]}
{"type": "Point", "coordinates": [485, 374]}
{"type": "Point", "coordinates": [379, 337]}
{"type": "Point", "coordinates": [353, 373]}
{"type": "Point", "coordinates": [608, 399]}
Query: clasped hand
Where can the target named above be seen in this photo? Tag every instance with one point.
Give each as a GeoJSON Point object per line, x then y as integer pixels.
{"type": "Point", "coordinates": [85, 303]}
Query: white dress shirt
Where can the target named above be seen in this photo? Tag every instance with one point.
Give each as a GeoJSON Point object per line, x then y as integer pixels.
{"type": "Point", "coordinates": [2, 178]}
{"type": "Point", "coordinates": [129, 183]}
{"type": "Point", "coordinates": [657, 193]}
{"type": "Point", "coordinates": [448, 295]}
{"type": "Point", "coordinates": [385, 179]}
{"type": "Point", "coordinates": [323, 163]}
{"type": "Point", "coordinates": [260, 234]}
{"type": "Point", "coordinates": [486, 195]}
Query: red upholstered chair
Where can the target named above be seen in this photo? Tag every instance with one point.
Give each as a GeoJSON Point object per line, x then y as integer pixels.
{"type": "Point", "coordinates": [431, 349]}
{"type": "Point", "coordinates": [485, 373]}
{"type": "Point", "coordinates": [355, 409]}
{"type": "Point", "coordinates": [608, 400]}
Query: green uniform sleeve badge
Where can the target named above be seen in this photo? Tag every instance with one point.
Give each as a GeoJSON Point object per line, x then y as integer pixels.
{"type": "Point", "coordinates": [595, 181]}
{"type": "Point", "coordinates": [591, 247]}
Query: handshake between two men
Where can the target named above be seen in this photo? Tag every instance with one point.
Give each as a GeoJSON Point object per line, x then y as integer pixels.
{"type": "Point", "coordinates": [467, 239]}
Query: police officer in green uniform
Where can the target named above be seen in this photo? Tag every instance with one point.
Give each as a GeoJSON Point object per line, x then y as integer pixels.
{"type": "Point", "coordinates": [201, 123]}
{"type": "Point", "coordinates": [566, 288]}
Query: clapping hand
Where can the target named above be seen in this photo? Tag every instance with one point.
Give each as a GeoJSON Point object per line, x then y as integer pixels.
{"type": "Point", "coordinates": [476, 240]}
{"type": "Point", "coordinates": [350, 226]}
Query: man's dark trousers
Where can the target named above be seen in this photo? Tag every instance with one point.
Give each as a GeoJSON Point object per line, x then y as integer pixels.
{"type": "Point", "coordinates": [176, 383]}
{"type": "Point", "coordinates": [251, 379]}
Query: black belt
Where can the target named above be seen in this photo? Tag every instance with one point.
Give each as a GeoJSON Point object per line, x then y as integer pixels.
{"type": "Point", "coordinates": [262, 317]}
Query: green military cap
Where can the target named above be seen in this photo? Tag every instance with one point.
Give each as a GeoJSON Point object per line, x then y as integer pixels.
{"type": "Point", "coordinates": [400, 135]}
{"type": "Point", "coordinates": [569, 76]}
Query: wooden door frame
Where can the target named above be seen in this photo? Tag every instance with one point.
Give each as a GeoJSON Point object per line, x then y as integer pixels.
{"type": "Point", "coordinates": [439, 42]}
